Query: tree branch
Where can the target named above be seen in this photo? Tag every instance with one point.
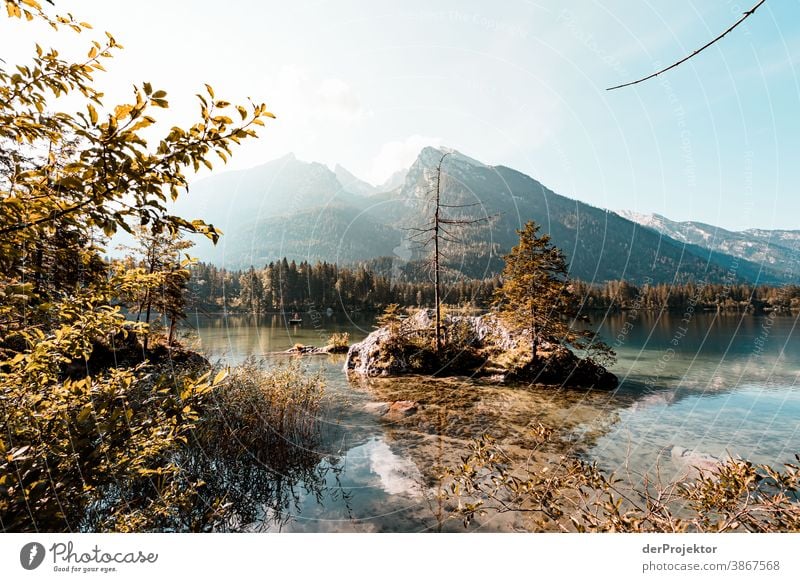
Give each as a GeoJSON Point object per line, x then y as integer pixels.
{"type": "Point", "coordinates": [744, 17]}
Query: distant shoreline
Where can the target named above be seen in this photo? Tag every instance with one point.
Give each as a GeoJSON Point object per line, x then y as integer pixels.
{"type": "Point", "coordinates": [764, 312]}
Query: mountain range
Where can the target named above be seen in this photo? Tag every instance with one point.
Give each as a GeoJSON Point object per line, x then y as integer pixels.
{"type": "Point", "coordinates": [306, 211]}
{"type": "Point", "coordinates": [773, 252]}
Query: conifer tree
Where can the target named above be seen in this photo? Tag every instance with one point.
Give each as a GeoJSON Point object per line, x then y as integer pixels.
{"type": "Point", "coordinates": [536, 296]}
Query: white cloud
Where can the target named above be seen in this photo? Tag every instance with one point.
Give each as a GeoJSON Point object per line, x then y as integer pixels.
{"type": "Point", "coordinates": [302, 98]}
{"type": "Point", "coordinates": [396, 155]}
{"type": "Point", "coordinates": [313, 112]}
{"type": "Point", "coordinates": [338, 102]}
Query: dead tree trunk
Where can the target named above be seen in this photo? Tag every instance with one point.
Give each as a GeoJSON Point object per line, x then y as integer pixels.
{"type": "Point", "coordinates": [436, 264]}
{"type": "Point", "coordinates": [436, 232]}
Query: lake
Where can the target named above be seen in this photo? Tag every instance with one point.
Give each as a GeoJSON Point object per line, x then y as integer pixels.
{"type": "Point", "coordinates": [692, 387]}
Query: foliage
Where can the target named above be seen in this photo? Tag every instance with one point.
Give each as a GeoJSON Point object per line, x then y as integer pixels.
{"type": "Point", "coordinates": [700, 295]}
{"type": "Point", "coordinates": [573, 495]}
{"type": "Point", "coordinates": [89, 441]}
{"type": "Point", "coordinates": [536, 297]}
{"type": "Point", "coordinates": [390, 317]}
{"type": "Point", "coordinates": [410, 345]}
{"type": "Point", "coordinates": [289, 285]}
{"type": "Point", "coordinates": [262, 409]}
{"type": "Point", "coordinates": [301, 285]}
{"type": "Point", "coordinates": [103, 173]}
{"type": "Point", "coordinates": [69, 176]}
{"type": "Point", "coordinates": [89, 450]}
{"type": "Point", "coordinates": [256, 440]}
{"type": "Point", "coordinates": [339, 341]}
{"type": "Point", "coordinates": [159, 255]}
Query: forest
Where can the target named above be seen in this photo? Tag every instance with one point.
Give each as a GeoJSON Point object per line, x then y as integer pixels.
{"type": "Point", "coordinates": [288, 285]}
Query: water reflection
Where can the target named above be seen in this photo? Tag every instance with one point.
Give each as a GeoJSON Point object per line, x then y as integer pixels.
{"type": "Point", "coordinates": [719, 385]}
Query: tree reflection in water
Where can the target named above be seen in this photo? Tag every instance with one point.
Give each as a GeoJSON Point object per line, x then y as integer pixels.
{"type": "Point", "coordinates": [262, 490]}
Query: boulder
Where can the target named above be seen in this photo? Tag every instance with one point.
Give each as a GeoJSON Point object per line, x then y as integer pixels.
{"type": "Point", "coordinates": [476, 346]}
{"type": "Point", "coordinates": [366, 358]}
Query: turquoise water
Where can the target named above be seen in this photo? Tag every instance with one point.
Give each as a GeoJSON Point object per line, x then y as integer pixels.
{"type": "Point", "coordinates": [708, 386]}
{"type": "Point", "coordinates": [729, 388]}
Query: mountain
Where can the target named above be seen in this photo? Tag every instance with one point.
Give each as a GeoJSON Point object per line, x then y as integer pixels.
{"type": "Point", "coordinates": [278, 188]}
{"type": "Point", "coordinates": [762, 253]}
{"type": "Point", "coordinates": [352, 184]}
{"type": "Point", "coordinates": [336, 233]}
{"type": "Point", "coordinates": [304, 210]}
{"type": "Point", "coordinates": [600, 245]}
{"type": "Point", "coordinates": [282, 207]}
{"type": "Point", "coordinates": [356, 185]}
{"type": "Point", "coordinates": [394, 181]}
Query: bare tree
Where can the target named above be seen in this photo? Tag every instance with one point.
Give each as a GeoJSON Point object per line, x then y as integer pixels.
{"type": "Point", "coordinates": [744, 17]}
{"type": "Point", "coordinates": [435, 232]}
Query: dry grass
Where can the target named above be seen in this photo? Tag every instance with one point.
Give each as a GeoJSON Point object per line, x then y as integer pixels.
{"type": "Point", "coordinates": [262, 407]}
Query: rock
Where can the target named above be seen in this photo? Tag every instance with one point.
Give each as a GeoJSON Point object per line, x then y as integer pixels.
{"type": "Point", "coordinates": [402, 408]}
{"type": "Point", "coordinates": [393, 410]}
{"type": "Point", "coordinates": [335, 349]}
{"type": "Point", "coordinates": [301, 349]}
{"type": "Point", "coordinates": [562, 366]}
{"type": "Point", "coordinates": [694, 462]}
{"type": "Point", "coordinates": [483, 346]}
{"type": "Point", "coordinates": [365, 358]}
{"type": "Point", "coordinates": [379, 408]}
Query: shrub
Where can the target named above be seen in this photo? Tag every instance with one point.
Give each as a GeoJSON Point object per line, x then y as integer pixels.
{"type": "Point", "coordinates": [92, 452]}
{"type": "Point", "coordinates": [390, 316]}
{"type": "Point", "coordinates": [736, 495]}
{"type": "Point", "coordinates": [262, 409]}
{"type": "Point", "coordinates": [339, 342]}
{"type": "Point", "coordinates": [257, 441]}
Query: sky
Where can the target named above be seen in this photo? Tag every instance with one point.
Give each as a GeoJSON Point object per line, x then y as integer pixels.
{"type": "Point", "coordinates": [522, 84]}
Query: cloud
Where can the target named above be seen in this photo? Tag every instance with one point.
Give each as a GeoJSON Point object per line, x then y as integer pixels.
{"type": "Point", "coordinates": [396, 155]}
{"type": "Point", "coordinates": [313, 112]}
{"type": "Point", "coordinates": [338, 102]}
{"type": "Point", "coordinates": [304, 99]}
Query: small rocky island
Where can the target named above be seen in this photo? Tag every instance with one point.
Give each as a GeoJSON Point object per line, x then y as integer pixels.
{"type": "Point", "coordinates": [477, 346]}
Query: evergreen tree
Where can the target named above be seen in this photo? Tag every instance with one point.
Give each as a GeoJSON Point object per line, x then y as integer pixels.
{"type": "Point", "coordinates": [536, 294]}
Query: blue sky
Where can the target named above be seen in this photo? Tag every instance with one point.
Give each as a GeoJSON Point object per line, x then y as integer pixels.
{"type": "Point", "coordinates": [367, 84]}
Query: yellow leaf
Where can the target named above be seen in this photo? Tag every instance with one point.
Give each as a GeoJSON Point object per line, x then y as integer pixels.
{"type": "Point", "coordinates": [144, 122]}
{"type": "Point", "coordinates": [83, 415]}
{"type": "Point", "coordinates": [92, 113]}
{"type": "Point", "coordinates": [122, 111]}
{"type": "Point", "coordinates": [221, 375]}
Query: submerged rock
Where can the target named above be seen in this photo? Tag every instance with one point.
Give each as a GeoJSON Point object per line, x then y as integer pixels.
{"type": "Point", "coordinates": [473, 346]}
{"type": "Point", "coordinates": [378, 408]}
{"type": "Point", "coordinates": [693, 462]}
{"type": "Point", "coordinates": [397, 409]}
{"type": "Point", "coordinates": [402, 408]}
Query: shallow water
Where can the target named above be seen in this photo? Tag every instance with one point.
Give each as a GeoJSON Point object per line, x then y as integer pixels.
{"type": "Point", "coordinates": [728, 388]}
{"type": "Point", "coordinates": [715, 385]}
